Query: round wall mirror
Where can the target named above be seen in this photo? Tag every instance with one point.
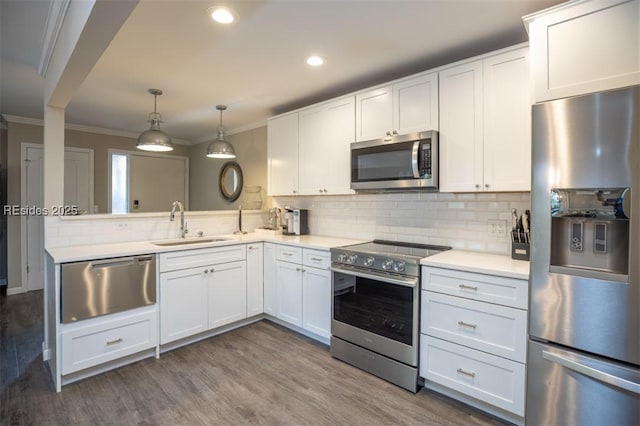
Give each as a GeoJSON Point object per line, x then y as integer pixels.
{"type": "Point", "coordinates": [231, 181]}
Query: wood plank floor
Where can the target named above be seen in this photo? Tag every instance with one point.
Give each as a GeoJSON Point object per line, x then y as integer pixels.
{"type": "Point", "coordinates": [260, 374]}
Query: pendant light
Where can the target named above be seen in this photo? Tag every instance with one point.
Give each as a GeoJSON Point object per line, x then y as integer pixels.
{"type": "Point", "coordinates": [154, 139]}
{"type": "Point", "coordinates": [220, 148]}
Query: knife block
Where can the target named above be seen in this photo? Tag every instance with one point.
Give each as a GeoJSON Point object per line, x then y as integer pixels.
{"type": "Point", "coordinates": [520, 251]}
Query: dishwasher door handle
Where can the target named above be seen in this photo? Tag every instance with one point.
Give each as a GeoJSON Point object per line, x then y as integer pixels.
{"type": "Point", "coordinates": [125, 261]}
{"type": "Point", "coordinates": [121, 261]}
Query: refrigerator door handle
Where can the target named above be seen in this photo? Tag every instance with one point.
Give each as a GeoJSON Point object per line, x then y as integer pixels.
{"type": "Point", "coordinates": [592, 372]}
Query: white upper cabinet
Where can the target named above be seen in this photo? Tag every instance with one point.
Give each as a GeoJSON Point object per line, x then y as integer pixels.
{"type": "Point", "coordinates": [326, 132]}
{"type": "Point", "coordinates": [583, 47]}
{"type": "Point", "coordinates": [461, 128]}
{"type": "Point", "coordinates": [485, 124]}
{"type": "Point", "coordinates": [374, 113]}
{"type": "Point", "coordinates": [408, 106]}
{"type": "Point", "coordinates": [282, 155]}
{"type": "Point", "coordinates": [415, 104]}
{"type": "Point", "coordinates": [507, 122]}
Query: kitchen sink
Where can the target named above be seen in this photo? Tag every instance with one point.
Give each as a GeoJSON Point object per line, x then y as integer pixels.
{"type": "Point", "coordinates": [189, 241]}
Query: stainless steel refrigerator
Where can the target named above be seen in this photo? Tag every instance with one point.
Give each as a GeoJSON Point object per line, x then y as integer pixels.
{"type": "Point", "coordinates": [584, 334]}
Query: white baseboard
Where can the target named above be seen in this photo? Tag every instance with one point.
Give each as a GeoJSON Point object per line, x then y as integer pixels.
{"type": "Point", "coordinates": [15, 290]}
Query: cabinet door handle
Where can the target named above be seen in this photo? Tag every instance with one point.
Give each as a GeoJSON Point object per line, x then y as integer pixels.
{"type": "Point", "coordinates": [114, 342]}
{"type": "Point", "coordinates": [212, 270]}
{"type": "Point", "coordinates": [316, 259]}
{"type": "Point", "coordinates": [295, 192]}
{"type": "Point", "coordinates": [477, 186]}
{"type": "Point", "coordinates": [284, 253]}
{"type": "Point", "coordinates": [486, 185]}
{"type": "Point", "coordinates": [206, 271]}
{"type": "Point", "coordinates": [466, 373]}
{"type": "Point", "coordinates": [466, 324]}
{"type": "Point", "coordinates": [467, 287]}
{"type": "Point", "coordinates": [321, 190]}
{"type": "Point", "coordinates": [298, 269]}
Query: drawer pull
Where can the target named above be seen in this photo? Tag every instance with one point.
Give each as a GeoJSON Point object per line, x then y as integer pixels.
{"type": "Point", "coordinates": [316, 259]}
{"type": "Point", "coordinates": [467, 287]}
{"type": "Point", "coordinates": [284, 253]}
{"type": "Point", "coordinates": [466, 324]}
{"type": "Point", "coordinates": [114, 342]}
{"type": "Point", "coordinates": [466, 373]}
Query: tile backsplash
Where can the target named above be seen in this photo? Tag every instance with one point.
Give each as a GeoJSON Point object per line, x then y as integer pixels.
{"type": "Point", "coordinates": [463, 221]}
{"type": "Point", "coordinates": [104, 229]}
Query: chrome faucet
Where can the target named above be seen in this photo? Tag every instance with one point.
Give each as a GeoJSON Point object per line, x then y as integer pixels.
{"type": "Point", "coordinates": [240, 231]}
{"type": "Point", "coordinates": [183, 224]}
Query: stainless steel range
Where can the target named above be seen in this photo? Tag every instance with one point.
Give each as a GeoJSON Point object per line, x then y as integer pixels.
{"type": "Point", "coordinates": [376, 308]}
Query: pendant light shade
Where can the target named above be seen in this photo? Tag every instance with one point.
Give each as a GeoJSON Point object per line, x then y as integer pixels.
{"type": "Point", "coordinates": [220, 148]}
{"type": "Point", "coordinates": [154, 139]}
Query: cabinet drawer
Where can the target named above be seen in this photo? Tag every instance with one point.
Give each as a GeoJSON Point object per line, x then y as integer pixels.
{"type": "Point", "coordinates": [289, 254]}
{"type": "Point", "coordinates": [491, 328]}
{"type": "Point", "coordinates": [184, 259]}
{"type": "Point", "coordinates": [494, 380]}
{"type": "Point", "coordinates": [486, 288]}
{"type": "Point", "coordinates": [316, 258]}
{"type": "Point", "coordinates": [107, 339]}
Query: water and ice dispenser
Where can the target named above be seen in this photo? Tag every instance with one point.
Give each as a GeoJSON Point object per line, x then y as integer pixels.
{"type": "Point", "coordinates": [590, 232]}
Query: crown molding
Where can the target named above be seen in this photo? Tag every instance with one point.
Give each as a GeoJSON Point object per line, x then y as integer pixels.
{"type": "Point", "coordinates": [233, 131]}
{"type": "Point", "coordinates": [55, 18]}
{"type": "Point", "coordinates": [86, 129]}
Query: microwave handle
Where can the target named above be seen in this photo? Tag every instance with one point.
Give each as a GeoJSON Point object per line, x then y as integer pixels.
{"type": "Point", "coordinates": [414, 159]}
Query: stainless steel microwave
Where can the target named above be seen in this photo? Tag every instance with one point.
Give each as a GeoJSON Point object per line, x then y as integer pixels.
{"type": "Point", "coordinates": [403, 162]}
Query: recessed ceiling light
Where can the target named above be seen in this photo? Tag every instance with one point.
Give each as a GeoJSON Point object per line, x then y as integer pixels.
{"type": "Point", "coordinates": [222, 15]}
{"type": "Point", "coordinates": [315, 60]}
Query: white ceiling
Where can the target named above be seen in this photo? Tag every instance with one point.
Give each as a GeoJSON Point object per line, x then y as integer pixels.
{"type": "Point", "coordinates": [255, 66]}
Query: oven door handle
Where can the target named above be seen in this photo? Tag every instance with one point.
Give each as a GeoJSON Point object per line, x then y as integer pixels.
{"type": "Point", "coordinates": [406, 282]}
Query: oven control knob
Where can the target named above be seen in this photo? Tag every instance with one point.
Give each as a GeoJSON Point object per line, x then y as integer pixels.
{"type": "Point", "coordinates": [342, 257]}
{"type": "Point", "coordinates": [399, 267]}
{"type": "Point", "coordinates": [387, 264]}
{"type": "Point", "coordinates": [352, 258]}
{"type": "Point", "coordinates": [369, 261]}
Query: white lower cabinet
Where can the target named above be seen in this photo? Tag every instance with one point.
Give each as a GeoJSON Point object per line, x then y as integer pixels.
{"type": "Point", "coordinates": [316, 299]}
{"type": "Point", "coordinates": [202, 297]}
{"type": "Point", "coordinates": [303, 288]}
{"type": "Point", "coordinates": [492, 328]}
{"type": "Point", "coordinates": [255, 279]}
{"type": "Point", "coordinates": [289, 292]}
{"type": "Point", "coordinates": [269, 279]}
{"type": "Point", "coordinates": [96, 341]}
{"type": "Point", "coordinates": [492, 379]}
{"type": "Point", "coordinates": [474, 336]}
{"type": "Point", "coordinates": [183, 304]}
{"type": "Point", "coordinates": [227, 293]}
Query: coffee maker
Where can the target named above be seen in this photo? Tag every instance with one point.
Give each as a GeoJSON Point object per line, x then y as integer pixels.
{"type": "Point", "coordinates": [295, 221]}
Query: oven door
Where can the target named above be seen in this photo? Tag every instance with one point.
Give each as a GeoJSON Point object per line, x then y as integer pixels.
{"type": "Point", "coordinates": [379, 312]}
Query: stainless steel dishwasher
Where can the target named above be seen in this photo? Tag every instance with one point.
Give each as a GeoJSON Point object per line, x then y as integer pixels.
{"type": "Point", "coordinates": [105, 286]}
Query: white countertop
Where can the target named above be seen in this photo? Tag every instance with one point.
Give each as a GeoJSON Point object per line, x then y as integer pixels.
{"type": "Point", "coordinates": [100, 251]}
{"type": "Point", "coordinates": [483, 263]}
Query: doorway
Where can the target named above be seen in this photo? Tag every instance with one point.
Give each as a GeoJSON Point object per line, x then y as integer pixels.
{"type": "Point", "coordinates": [78, 191]}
